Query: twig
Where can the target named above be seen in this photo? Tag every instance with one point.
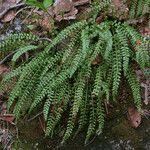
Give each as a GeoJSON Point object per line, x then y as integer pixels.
{"type": "Point", "coordinates": [20, 10]}
{"type": "Point", "coordinates": [146, 101]}
{"type": "Point", "coordinates": [26, 56]}
{"type": "Point", "coordinates": [81, 2]}
{"type": "Point", "coordinates": [2, 61]}
{"type": "Point", "coordinates": [17, 135]}
{"type": "Point", "coordinates": [9, 8]}
{"type": "Point", "coordinates": [35, 116]}
{"type": "Point", "coordinates": [47, 39]}
{"type": "Point", "coordinates": [28, 15]}
{"type": "Point", "coordinates": [106, 107]}
{"type": "Point", "coordinates": [91, 140]}
{"type": "Point", "coordinates": [43, 127]}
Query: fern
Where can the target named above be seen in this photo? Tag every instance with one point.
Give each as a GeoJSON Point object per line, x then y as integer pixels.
{"type": "Point", "coordinates": [48, 104]}
{"type": "Point", "coordinates": [92, 121]}
{"type": "Point", "coordinates": [15, 41]}
{"type": "Point", "coordinates": [22, 51]}
{"type": "Point", "coordinates": [83, 111]}
{"type": "Point", "coordinates": [135, 88]}
{"type": "Point", "coordinates": [142, 56]}
{"type": "Point", "coordinates": [100, 114]}
{"type": "Point", "coordinates": [116, 69]}
{"type": "Point", "coordinates": [133, 8]}
{"type": "Point", "coordinates": [62, 78]}
{"type": "Point", "coordinates": [139, 8]}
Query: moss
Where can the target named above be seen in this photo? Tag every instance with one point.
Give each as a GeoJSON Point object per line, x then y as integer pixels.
{"type": "Point", "coordinates": [125, 131]}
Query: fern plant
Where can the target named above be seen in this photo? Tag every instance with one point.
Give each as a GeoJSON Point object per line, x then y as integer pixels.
{"type": "Point", "coordinates": [138, 8]}
{"type": "Point", "coordinates": [65, 79]}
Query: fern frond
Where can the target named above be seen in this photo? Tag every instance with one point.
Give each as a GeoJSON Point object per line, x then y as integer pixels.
{"type": "Point", "coordinates": [97, 50]}
{"type": "Point", "coordinates": [98, 7]}
{"type": "Point", "coordinates": [92, 121]}
{"type": "Point", "coordinates": [76, 62]}
{"type": "Point", "coordinates": [123, 44]}
{"type": "Point", "coordinates": [139, 8]}
{"type": "Point", "coordinates": [100, 114]}
{"type": "Point", "coordinates": [98, 82]}
{"type": "Point", "coordinates": [142, 56]}
{"type": "Point", "coordinates": [78, 96]}
{"type": "Point", "coordinates": [135, 88]}
{"type": "Point", "coordinates": [83, 111]}
{"type": "Point", "coordinates": [109, 43]}
{"type": "Point", "coordinates": [70, 126]}
{"type": "Point", "coordinates": [50, 123]}
{"type": "Point", "coordinates": [146, 7]}
{"type": "Point", "coordinates": [25, 90]}
{"type": "Point", "coordinates": [78, 100]}
{"type": "Point", "coordinates": [116, 69]}
{"type": "Point", "coordinates": [50, 130]}
{"type": "Point", "coordinates": [15, 40]}
{"type": "Point", "coordinates": [69, 48]}
{"type": "Point", "coordinates": [23, 50]}
{"type": "Point", "coordinates": [47, 104]}
{"type": "Point", "coordinates": [50, 64]}
{"type": "Point", "coordinates": [65, 33]}
{"type": "Point", "coordinates": [132, 34]}
{"type": "Point", "coordinates": [9, 77]}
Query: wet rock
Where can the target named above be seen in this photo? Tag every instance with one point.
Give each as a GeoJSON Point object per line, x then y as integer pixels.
{"type": "Point", "coordinates": [5, 30]}
{"type": "Point", "coordinates": [125, 131]}
{"type": "Point", "coordinates": [17, 25]}
{"type": "Point", "coordinates": [147, 146]}
{"type": "Point", "coordinates": [121, 145]}
{"type": "Point", "coordinates": [109, 144]}
{"type": "Point", "coordinates": [1, 25]}
{"type": "Point", "coordinates": [102, 146]}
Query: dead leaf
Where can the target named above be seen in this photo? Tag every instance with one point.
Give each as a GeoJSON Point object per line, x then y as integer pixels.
{"type": "Point", "coordinates": [3, 69]}
{"type": "Point", "coordinates": [66, 9]}
{"type": "Point", "coordinates": [96, 61]}
{"type": "Point", "coordinates": [80, 2]}
{"type": "Point", "coordinates": [62, 6]}
{"type": "Point", "coordinates": [9, 16]}
{"type": "Point", "coordinates": [134, 117]}
{"type": "Point", "coordinates": [5, 4]}
{"type": "Point", "coordinates": [145, 31]}
{"type": "Point", "coordinates": [8, 118]}
{"type": "Point", "coordinates": [99, 19]}
{"type": "Point", "coordinates": [117, 3]}
{"type": "Point", "coordinates": [46, 23]}
{"type": "Point", "coordinates": [68, 16]}
{"type": "Point", "coordinates": [39, 12]}
{"type": "Point", "coordinates": [6, 12]}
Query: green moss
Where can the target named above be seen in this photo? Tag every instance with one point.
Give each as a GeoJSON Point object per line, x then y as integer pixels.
{"type": "Point", "coordinates": [125, 131]}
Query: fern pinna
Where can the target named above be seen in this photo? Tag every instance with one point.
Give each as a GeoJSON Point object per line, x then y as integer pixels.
{"type": "Point", "coordinates": [138, 8]}
{"type": "Point", "coordinates": [66, 79]}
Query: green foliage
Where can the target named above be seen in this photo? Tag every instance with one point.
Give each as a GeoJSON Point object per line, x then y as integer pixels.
{"type": "Point", "coordinates": [23, 50]}
{"type": "Point", "coordinates": [138, 8]}
{"type": "Point", "coordinates": [65, 78]}
{"type": "Point", "coordinates": [15, 41]}
{"type": "Point", "coordinates": [40, 4]}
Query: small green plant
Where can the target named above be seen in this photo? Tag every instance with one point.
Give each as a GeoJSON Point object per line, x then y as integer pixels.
{"type": "Point", "coordinates": [64, 79]}
{"type": "Point", "coordinates": [40, 4]}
